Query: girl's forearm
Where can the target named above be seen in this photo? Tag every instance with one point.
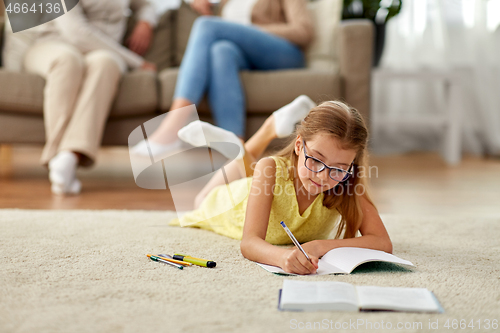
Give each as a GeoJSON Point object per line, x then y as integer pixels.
{"type": "Point", "coordinates": [257, 249]}
{"type": "Point", "coordinates": [367, 241]}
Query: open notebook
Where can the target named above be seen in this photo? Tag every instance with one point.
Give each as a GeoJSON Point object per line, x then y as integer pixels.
{"type": "Point", "coordinates": [341, 296]}
{"type": "Point", "coordinates": [344, 260]}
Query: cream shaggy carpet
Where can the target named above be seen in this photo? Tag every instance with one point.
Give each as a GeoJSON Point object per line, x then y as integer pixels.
{"type": "Point", "coordinates": [87, 271]}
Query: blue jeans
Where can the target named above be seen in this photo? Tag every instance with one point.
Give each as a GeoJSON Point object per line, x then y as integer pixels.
{"type": "Point", "coordinates": [217, 50]}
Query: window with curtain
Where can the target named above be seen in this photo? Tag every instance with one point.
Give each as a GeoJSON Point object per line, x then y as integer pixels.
{"type": "Point", "coordinates": [455, 35]}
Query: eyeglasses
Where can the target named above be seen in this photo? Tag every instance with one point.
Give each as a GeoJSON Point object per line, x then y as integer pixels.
{"type": "Point", "coordinates": [315, 165]}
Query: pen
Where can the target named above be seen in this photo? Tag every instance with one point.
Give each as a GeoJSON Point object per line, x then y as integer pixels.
{"type": "Point", "coordinates": [155, 258]}
{"type": "Point", "coordinates": [294, 240]}
{"type": "Point", "coordinates": [196, 261]}
{"type": "Point", "coordinates": [169, 258]}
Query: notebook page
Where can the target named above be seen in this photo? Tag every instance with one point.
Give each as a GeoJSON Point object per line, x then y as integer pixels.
{"type": "Point", "coordinates": [391, 298]}
{"type": "Point", "coordinates": [348, 258]}
{"type": "Point", "coordinates": [323, 269]}
{"type": "Point", "coordinates": [317, 293]}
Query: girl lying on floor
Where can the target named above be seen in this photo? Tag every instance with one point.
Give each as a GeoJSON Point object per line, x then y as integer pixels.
{"type": "Point", "coordinates": [315, 184]}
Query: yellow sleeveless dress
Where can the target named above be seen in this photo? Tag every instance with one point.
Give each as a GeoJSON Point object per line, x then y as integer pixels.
{"type": "Point", "coordinates": [223, 211]}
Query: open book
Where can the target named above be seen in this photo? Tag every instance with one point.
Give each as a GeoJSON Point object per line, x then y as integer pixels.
{"type": "Point", "coordinates": [344, 260]}
{"type": "Point", "coordinates": [341, 296]}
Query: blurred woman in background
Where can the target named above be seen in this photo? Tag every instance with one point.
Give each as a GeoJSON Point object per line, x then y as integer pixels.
{"type": "Point", "coordinates": [249, 35]}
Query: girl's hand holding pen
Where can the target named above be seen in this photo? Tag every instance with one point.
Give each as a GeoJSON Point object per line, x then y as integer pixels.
{"type": "Point", "coordinates": [294, 261]}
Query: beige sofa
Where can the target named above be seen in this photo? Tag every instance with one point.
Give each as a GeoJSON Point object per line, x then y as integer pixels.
{"type": "Point", "coordinates": [144, 95]}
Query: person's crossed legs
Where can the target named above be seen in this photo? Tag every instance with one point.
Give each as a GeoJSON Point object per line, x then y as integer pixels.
{"type": "Point", "coordinates": [217, 50]}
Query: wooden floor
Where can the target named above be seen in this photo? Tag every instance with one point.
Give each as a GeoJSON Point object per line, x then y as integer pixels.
{"type": "Point", "coordinates": [417, 183]}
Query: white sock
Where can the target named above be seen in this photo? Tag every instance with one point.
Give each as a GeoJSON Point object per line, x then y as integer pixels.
{"type": "Point", "coordinates": [286, 117]}
{"type": "Point", "coordinates": [158, 150]}
{"type": "Point", "coordinates": [62, 172]}
{"type": "Point", "coordinates": [199, 133]}
{"type": "Point", "coordinates": [74, 188]}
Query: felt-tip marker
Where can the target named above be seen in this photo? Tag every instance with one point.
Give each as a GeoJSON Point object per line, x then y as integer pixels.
{"type": "Point", "coordinates": [195, 261]}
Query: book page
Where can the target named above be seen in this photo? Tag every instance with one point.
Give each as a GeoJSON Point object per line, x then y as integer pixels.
{"type": "Point", "coordinates": [399, 299]}
{"type": "Point", "coordinates": [318, 295]}
{"type": "Point", "coordinates": [348, 258]}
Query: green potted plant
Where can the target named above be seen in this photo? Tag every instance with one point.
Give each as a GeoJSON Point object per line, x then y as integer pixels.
{"type": "Point", "coordinates": [378, 11]}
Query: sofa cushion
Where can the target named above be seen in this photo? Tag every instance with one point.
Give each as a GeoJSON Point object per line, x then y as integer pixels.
{"type": "Point", "coordinates": [28, 128]}
{"type": "Point", "coordinates": [23, 92]}
{"type": "Point", "coordinates": [183, 22]}
{"type": "Point", "coordinates": [267, 91]}
{"type": "Point", "coordinates": [166, 82]}
{"type": "Point", "coordinates": [161, 50]}
{"type": "Point", "coordinates": [21, 128]}
{"type": "Point", "coordinates": [117, 130]}
{"type": "Point", "coordinates": [322, 53]}
{"type": "Point", "coordinates": [137, 94]}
